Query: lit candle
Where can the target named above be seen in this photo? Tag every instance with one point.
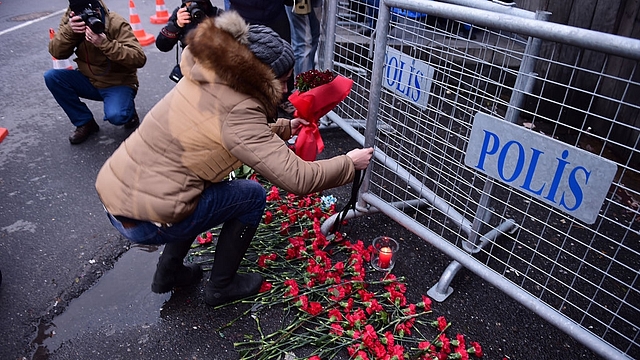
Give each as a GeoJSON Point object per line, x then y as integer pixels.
{"type": "Point", "coordinates": [385, 257]}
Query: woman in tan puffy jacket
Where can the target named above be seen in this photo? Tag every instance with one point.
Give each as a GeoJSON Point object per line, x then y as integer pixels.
{"type": "Point", "coordinates": [164, 184]}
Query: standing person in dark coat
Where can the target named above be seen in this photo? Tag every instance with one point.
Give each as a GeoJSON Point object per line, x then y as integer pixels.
{"type": "Point", "coordinates": [305, 34]}
{"type": "Point", "coordinates": [183, 19]}
{"type": "Point", "coordinates": [271, 13]}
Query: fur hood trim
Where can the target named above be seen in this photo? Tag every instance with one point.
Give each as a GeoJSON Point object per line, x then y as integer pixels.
{"type": "Point", "coordinates": [219, 44]}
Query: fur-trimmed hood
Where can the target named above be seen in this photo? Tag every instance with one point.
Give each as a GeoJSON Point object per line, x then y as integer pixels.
{"type": "Point", "coordinates": [218, 52]}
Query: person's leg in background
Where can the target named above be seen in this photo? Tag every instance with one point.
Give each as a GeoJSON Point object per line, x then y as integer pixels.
{"type": "Point", "coordinates": [358, 10]}
{"type": "Point", "coordinates": [315, 18]}
{"type": "Point", "coordinates": [305, 36]}
{"type": "Point", "coordinates": [67, 87]}
{"type": "Point", "coordinates": [119, 106]}
{"type": "Point", "coordinates": [300, 38]}
{"type": "Point", "coordinates": [370, 17]}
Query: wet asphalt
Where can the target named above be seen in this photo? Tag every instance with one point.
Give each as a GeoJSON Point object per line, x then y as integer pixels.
{"type": "Point", "coordinates": [74, 289]}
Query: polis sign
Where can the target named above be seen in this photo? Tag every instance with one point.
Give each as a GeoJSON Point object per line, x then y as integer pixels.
{"type": "Point", "coordinates": [565, 177]}
{"type": "Point", "coordinates": [407, 77]}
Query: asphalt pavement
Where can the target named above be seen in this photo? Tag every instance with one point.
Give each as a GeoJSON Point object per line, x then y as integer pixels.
{"type": "Point", "coordinates": [55, 240]}
{"type": "Point", "coordinates": [73, 288]}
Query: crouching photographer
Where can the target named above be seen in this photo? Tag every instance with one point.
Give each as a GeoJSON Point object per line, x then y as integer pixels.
{"type": "Point", "coordinates": [108, 57]}
{"type": "Point", "coordinates": [183, 19]}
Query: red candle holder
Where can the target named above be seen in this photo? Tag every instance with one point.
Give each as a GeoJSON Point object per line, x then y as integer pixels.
{"type": "Point", "coordinates": [385, 250]}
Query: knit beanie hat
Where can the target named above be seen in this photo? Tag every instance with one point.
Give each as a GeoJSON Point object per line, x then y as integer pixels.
{"type": "Point", "coordinates": [269, 48]}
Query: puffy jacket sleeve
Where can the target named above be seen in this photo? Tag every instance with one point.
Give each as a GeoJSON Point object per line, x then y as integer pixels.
{"type": "Point", "coordinates": [123, 48]}
{"type": "Point", "coordinates": [282, 128]}
{"type": "Point", "coordinates": [65, 41]}
{"type": "Point", "coordinates": [248, 137]}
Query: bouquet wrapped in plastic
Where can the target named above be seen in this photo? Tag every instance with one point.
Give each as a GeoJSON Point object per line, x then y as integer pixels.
{"type": "Point", "coordinates": [316, 93]}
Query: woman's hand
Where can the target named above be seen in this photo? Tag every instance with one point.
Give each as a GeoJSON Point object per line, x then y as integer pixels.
{"type": "Point", "coordinates": [361, 157]}
{"type": "Point", "coordinates": [297, 124]}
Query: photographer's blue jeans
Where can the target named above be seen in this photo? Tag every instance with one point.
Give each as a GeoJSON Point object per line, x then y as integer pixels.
{"type": "Point", "coordinates": [68, 86]}
{"type": "Point", "coordinates": [305, 35]}
{"type": "Point", "coordinates": [243, 200]}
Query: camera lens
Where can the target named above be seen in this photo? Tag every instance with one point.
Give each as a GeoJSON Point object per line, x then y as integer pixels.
{"type": "Point", "coordinates": [95, 25]}
{"type": "Point", "coordinates": [92, 20]}
{"type": "Point", "coordinates": [197, 14]}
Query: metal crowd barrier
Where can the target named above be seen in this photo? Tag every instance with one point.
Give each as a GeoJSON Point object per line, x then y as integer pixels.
{"type": "Point", "coordinates": [509, 143]}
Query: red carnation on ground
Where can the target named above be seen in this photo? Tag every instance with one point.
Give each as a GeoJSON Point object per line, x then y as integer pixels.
{"type": "Point", "coordinates": [205, 238]}
{"type": "Point", "coordinates": [268, 217]}
{"type": "Point", "coordinates": [476, 349]}
{"type": "Point", "coordinates": [314, 308]}
{"type": "Point", "coordinates": [266, 286]}
{"type": "Point", "coordinates": [441, 323]}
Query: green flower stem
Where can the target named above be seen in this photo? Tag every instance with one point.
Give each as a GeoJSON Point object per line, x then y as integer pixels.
{"type": "Point", "coordinates": [280, 339]}
{"type": "Point", "coordinates": [233, 321]}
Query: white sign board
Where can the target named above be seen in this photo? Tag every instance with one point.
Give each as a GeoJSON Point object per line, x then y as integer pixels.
{"type": "Point", "coordinates": [407, 77]}
{"type": "Point", "coordinates": [565, 177]}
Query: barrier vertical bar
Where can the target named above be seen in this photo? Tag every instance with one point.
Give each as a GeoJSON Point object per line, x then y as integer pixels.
{"type": "Point", "coordinates": [381, 33]}
{"type": "Point", "coordinates": [331, 17]}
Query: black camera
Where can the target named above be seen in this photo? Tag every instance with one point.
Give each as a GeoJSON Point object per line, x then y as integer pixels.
{"type": "Point", "coordinates": [176, 73]}
{"type": "Point", "coordinates": [196, 13]}
{"type": "Point", "coordinates": [92, 19]}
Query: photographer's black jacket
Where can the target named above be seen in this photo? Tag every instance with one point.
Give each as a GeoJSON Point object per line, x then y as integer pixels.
{"type": "Point", "coordinates": [172, 33]}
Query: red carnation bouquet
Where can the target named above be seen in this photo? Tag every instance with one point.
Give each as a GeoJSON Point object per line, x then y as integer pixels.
{"type": "Point", "coordinates": [316, 93]}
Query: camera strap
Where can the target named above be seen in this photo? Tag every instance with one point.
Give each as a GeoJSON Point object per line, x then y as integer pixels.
{"type": "Point", "coordinates": [105, 72]}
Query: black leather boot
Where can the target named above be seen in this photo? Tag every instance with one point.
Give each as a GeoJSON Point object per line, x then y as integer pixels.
{"type": "Point", "coordinates": [133, 122]}
{"type": "Point", "coordinates": [171, 272]}
{"type": "Point", "coordinates": [225, 284]}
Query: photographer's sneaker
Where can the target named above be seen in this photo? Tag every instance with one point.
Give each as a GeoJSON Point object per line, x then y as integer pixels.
{"type": "Point", "coordinates": [83, 132]}
{"type": "Point", "coordinates": [133, 123]}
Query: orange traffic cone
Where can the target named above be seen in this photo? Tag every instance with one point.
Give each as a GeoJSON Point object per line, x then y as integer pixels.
{"type": "Point", "coordinates": [162, 15]}
{"type": "Point", "coordinates": [144, 38]}
{"type": "Point", "coordinates": [59, 64]}
{"type": "Point", "coordinates": [3, 133]}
